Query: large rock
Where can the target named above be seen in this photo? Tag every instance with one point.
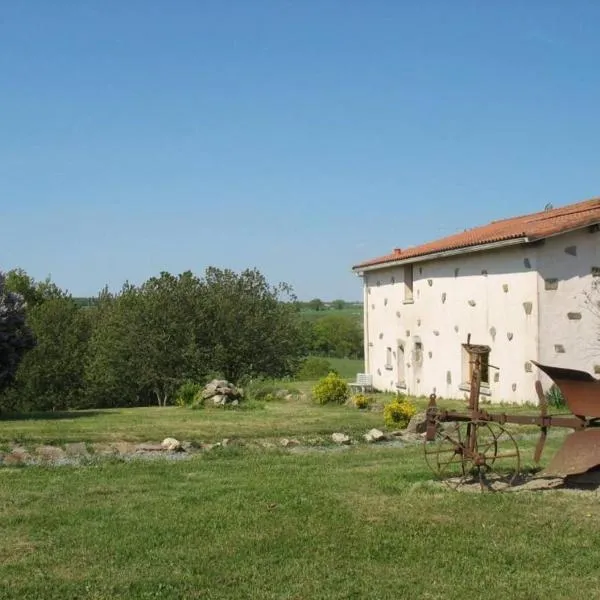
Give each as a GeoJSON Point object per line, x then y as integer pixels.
{"type": "Point", "coordinates": [287, 443]}
{"type": "Point", "coordinates": [418, 423]}
{"type": "Point", "coordinates": [222, 392]}
{"type": "Point", "coordinates": [171, 444]}
{"type": "Point", "coordinates": [341, 438]}
{"type": "Point", "coordinates": [374, 436]}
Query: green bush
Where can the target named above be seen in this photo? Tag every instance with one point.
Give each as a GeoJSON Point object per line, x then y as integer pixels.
{"type": "Point", "coordinates": [361, 401]}
{"type": "Point", "coordinates": [198, 401]}
{"type": "Point", "coordinates": [187, 392]}
{"type": "Point", "coordinates": [398, 413]}
{"type": "Point", "coordinates": [314, 367]}
{"type": "Point", "coordinates": [332, 389]}
{"type": "Point", "coordinates": [555, 398]}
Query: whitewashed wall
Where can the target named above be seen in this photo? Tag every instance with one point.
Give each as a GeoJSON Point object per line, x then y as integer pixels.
{"type": "Point", "coordinates": [491, 295]}
{"type": "Point", "coordinates": [569, 330]}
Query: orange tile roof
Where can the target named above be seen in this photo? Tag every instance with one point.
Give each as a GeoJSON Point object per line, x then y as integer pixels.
{"type": "Point", "coordinates": [530, 227]}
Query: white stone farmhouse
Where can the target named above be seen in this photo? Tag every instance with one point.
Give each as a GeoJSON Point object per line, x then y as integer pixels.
{"type": "Point", "coordinates": [519, 286]}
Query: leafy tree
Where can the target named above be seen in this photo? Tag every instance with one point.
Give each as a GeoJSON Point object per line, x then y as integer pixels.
{"type": "Point", "coordinates": [15, 336]}
{"type": "Point", "coordinates": [339, 304]}
{"type": "Point", "coordinates": [51, 376]}
{"type": "Point", "coordinates": [316, 304]}
{"type": "Point", "coordinates": [254, 328]}
{"type": "Point", "coordinates": [338, 335]}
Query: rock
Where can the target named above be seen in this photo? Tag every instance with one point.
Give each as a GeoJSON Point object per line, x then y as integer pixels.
{"type": "Point", "coordinates": [50, 453]}
{"type": "Point", "coordinates": [18, 456]}
{"type": "Point", "coordinates": [418, 423]}
{"type": "Point", "coordinates": [76, 449]}
{"type": "Point", "coordinates": [375, 435]}
{"type": "Point", "coordinates": [281, 394]}
{"type": "Point", "coordinates": [149, 448]}
{"type": "Point", "coordinates": [124, 448]}
{"type": "Point", "coordinates": [225, 442]}
{"type": "Point", "coordinates": [289, 443]}
{"type": "Point", "coordinates": [187, 446]}
{"type": "Point", "coordinates": [235, 402]}
{"type": "Point", "coordinates": [222, 392]}
{"type": "Point", "coordinates": [103, 449]}
{"type": "Point", "coordinates": [289, 397]}
{"type": "Point", "coordinates": [341, 438]}
{"type": "Point", "coordinates": [171, 444]}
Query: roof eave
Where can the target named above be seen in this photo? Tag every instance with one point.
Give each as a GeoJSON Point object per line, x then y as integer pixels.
{"type": "Point", "coordinates": [359, 270]}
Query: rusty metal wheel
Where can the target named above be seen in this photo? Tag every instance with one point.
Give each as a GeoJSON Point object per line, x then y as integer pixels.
{"type": "Point", "coordinates": [474, 452]}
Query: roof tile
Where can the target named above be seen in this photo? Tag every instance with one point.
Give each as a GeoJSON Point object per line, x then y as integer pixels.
{"type": "Point", "coordinates": [533, 227]}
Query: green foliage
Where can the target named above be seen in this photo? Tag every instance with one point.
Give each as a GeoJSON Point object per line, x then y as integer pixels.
{"type": "Point", "coordinates": [361, 401]}
{"type": "Point", "coordinates": [398, 413]}
{"type": "Point", "coordinates": [555, 398]}
{"type": "Point", "coordinates": [198, 400]}
{"type": "Point", "coordinates": [51, 376]}
{"type": "Point", "coordinates": [314, 367]}
{"type": "Point", "coordinates": [337, 335]}
{"type": "Point", "coordinates": [187, 392]}
{"type": "Point", "coordinates": [332, 389]}
{"type": "Point", "coordinates": [16, 338]}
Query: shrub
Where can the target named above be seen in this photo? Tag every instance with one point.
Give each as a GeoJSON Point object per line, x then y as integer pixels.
{"type": "Point", "coordinates": [361, 401]}
{"type": "Point", "coordinates": [187, 392]}
{"type": "Point", "coordinates": [332, 389]}
{"type": "Point", "coordinates": [398, 413]}
{"type": "Point", "coordinates": [198, 401]}
{"type": "Point", "coordinates": [314, 367]}
{"type": "Point", "coordinates": [269, 390]}
{"type": "Point", "coordinates": [555, 398]}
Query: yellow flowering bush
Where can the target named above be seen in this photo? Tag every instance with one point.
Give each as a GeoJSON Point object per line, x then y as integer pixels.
{"type": "Point", "coordinates": [398, 413]}
{"type": "Point", "coordinates": [361, 401]}
{"type": "Point", "coordinates": [331, 389]}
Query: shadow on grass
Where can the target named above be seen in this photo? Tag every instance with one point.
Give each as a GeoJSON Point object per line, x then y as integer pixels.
{"type": "Point", "coordinates": [52, 416]}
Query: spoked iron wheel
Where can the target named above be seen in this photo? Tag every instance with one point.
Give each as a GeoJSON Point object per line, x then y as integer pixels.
{"type": "Point", "coordinates": [474, 452]}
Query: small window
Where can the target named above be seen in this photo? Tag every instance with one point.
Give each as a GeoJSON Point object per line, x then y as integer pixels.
{"type": "Point", "coordinates": [468, 363]}
{"type": "Point", "coordinates": [401, 378]}
{"type": "Point", "coordinates": [408, 283]}
{"type": "Point", "coordinates": [388, 358]}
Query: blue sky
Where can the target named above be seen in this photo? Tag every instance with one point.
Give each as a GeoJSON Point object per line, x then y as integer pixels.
{"type": "Point", "coordinates": [298, 137]}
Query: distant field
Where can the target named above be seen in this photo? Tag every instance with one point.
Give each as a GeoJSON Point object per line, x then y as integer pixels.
{"type": "Point", "coordinates": [347, 367]}
{"type": "Point", "coordinates": [355, 311]}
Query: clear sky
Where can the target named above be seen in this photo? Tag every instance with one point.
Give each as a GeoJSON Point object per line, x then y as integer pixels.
{"type": "Point", "coordinates": [298, 136]}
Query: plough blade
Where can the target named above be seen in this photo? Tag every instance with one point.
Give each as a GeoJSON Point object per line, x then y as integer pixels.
{"type": "Point", "coordinates": [579, 453]}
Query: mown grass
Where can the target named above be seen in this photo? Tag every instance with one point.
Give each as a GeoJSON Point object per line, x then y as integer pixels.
{"type": "Point", "coordinates": [301, 418]}
{"type": "Point", "coordinates": [364, 523]}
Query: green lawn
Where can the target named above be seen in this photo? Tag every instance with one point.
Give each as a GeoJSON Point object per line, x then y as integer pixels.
{"type": "Point", "coordinates": [365, 523]}
{"type": "Point", "coordinates": [362, 522]}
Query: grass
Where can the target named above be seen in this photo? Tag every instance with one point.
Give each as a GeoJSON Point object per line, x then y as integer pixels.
{"type": "Point", "coordinates": [276, 419]}
{"type": "Point", "coordinates": [365, 523]}
{"type": "Point", "coordinates": [347, 367]}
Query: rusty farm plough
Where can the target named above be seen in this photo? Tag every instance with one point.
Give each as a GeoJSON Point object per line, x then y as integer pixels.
{"type": "Point", "coordinates": [477, 446]}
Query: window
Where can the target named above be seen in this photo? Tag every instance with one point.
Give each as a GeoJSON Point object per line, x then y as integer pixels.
{"type": "Point", "coordinates": [408, 283]}
{"type": "Point", "coordinates": [388, 358]}
{"type": "Point", "coordinates": [401, 379]}
{"type": "Point", "coordinates": [468, 363]}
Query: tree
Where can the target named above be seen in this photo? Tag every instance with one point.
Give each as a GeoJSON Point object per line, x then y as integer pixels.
{"type": "Point", "coordinates": [254, 328]}
{"type": "Point", "coordinates": [339, 304]}
{"type": "Point", "coordinates": [338, 335]}
{"type": "Point", "coordinates": [316, 304]}
{"type": "Point", "coordinates": [15, 336]}
{"type": "Point", "coordinates": [51, 376]}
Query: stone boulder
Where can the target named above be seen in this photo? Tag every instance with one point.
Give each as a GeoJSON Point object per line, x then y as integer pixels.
{"type": "Point", "coordinates": [171, 444]}
{"type": "Point", "coordinates": [417, 424]}
{"type": "Point", "coordinates": [375, 435]}
{"type": "Point", "coordinates": [341, 438]}
{"type": "Point", "coordinates": [222, 392]}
